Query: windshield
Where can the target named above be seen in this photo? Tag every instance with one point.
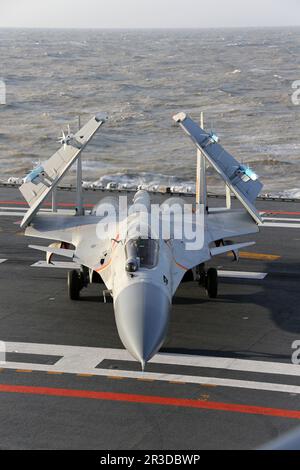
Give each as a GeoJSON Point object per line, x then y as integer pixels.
{"type": "Point", "coordinates": [144, 249]}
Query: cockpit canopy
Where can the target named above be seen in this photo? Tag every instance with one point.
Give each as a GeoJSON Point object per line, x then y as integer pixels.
{"type": "Point", "coordinates": [141, 253]}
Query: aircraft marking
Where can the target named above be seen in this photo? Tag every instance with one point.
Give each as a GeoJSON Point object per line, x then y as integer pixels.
{"type": "Point", "coordinates": [115, 241]}
{"type": "Point", "coordinates": [180, 266]}
{"type": "Point", "coordinates": [104, 267]}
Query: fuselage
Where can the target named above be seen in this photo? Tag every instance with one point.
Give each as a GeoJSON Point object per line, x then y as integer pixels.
{"type": "Point", "coordinates": [142, 270]}
{"type": "Point", "coordinates": [139, 276]}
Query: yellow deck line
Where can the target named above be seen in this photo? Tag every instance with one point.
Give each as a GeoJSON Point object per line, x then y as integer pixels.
{"type": "Point", "coordinates": [54, 372]}
{"type": "Point", "coordinates": [257, 256]}
{"type": "Point", "coordinates": [203, 397]}
{"type": "Point", "coordinates": [145, 380]}
{"type": "Point", "coordinates": [23, 370]}
{"type": "Point", "coordinates": [85, 375]}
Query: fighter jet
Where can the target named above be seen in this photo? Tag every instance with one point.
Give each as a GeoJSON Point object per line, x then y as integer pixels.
{"type": "Point", "coordinates": [138, 251]}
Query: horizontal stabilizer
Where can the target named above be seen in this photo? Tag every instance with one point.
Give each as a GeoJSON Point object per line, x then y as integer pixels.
{"type": "Point", "coordinates": [39, 183]}
{"type": "Point", "coordinates": [220, 250]}
{"type": "Point", "coordinates": [242, 181]}
{"type": "Point", "coordinates": [54, 251]}
{"type": "Point", "coordinates": [56, 264]}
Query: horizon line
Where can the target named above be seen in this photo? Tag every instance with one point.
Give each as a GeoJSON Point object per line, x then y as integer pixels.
{"type": "Point", "coordinates": [158, 28]}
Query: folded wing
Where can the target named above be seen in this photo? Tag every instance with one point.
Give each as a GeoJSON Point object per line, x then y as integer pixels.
{"type": "Point", "coordinates": [242, 181]}
{"type": "Point", "coordinates": [42, 180]}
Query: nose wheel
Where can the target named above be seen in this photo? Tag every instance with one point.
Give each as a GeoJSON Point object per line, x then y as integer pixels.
{"type": "Point", "coordinates": [209, 280]}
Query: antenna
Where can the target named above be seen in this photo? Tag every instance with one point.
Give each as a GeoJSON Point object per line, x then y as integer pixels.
{"type": "Point", "coordinates": [228, 197]}
{"type": "Point", "coordinates": [79, 198]}
{"type": "Point", "coordinates": [201, 173]}
{"type": "Point", "coordinates": [54, 199]}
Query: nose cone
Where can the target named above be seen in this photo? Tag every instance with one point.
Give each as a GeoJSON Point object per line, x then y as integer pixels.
{"type": "Point", "coordinates": [142, 315]}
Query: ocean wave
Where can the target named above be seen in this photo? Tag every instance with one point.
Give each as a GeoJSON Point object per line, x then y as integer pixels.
{"type": "Point", "coordinates": [142, 80]}
{"type": "Point", "coordinates": [268, 162]}
{"type": "Point", "coordinates": [279, 150]}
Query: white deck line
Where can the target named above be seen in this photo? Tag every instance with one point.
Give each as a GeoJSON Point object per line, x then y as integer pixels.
{"type": "Point", "coordinates": [245, 384]}
{"type": "Point", "coordinates": [242, 274]}
{"type": "Point", "coordinates": [280, 219]}
{"type": "Point", "coordinates": [83, 360]}
{"type": "Point", "coordinates": [8, 210]}
{"type": "Point", "coordinates": [12, 214]}
{"type": "Point", "coordinates": [279, 224]}
{"type": "Point", "coordinates": [15, 208]}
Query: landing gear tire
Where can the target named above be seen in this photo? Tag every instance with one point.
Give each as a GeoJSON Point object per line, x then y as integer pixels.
{"type": "Point", "coordinates": [74, 284]}
{"type": "Point", "coordinates": [211, 284]}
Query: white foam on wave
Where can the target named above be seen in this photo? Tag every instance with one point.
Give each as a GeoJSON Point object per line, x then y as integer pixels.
{"type": "Point", "coordinates": [235, 72]}
{"type": "Point", "coordinates": [153, 182]}
{"type": "Point", "coordinates": [148, 181]}
{"type": "Point", "coordinates": [287, 194]}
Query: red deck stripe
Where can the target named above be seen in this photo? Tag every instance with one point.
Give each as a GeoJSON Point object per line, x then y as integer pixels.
{"type": "Point", "coordinates": [280, 212]}
{"type": "Point", "coordinates": [48, 204]}
{"type": "Point", "coordinates": [70, 204]}
{"type": "Point", "coordinates": [153, 400]}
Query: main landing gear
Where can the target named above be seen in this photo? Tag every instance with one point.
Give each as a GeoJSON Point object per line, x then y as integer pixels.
{"type": "Point", "coordinates": [75, 284]}
{"type": "Point", "coordinates": [209, 280]}
{"type": "Point", "coordinates": [77, 280]}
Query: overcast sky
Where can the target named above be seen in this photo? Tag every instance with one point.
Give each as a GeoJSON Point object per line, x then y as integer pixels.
{"type": "Point", "coordinates": [148, 13]}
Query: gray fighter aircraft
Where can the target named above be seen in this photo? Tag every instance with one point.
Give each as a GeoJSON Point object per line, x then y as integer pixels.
{"type": "Point", "coordinates": [142, 272]}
